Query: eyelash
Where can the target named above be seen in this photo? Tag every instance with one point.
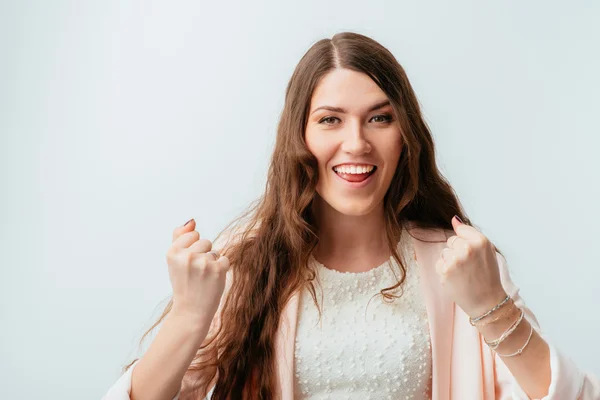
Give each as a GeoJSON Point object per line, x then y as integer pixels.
{"type": "Point", "coordinates": [388, 118]}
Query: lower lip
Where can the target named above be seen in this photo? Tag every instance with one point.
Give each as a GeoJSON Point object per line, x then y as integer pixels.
{"type": "Point", "coordinates": [356, 185]}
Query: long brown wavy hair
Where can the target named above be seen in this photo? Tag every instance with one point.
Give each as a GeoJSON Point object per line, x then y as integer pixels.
{"type": "Point", "coordinates": [270, 245]}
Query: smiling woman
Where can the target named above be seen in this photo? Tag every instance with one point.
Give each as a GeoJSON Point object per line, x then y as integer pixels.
{"type": "Point", "coordinates": [353, 134]}
{"type": "Point", "coordinates": [358, 274]}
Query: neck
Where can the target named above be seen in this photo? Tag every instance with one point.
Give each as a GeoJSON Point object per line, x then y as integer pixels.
{"type": "Point", "coordinates": [350, 243]}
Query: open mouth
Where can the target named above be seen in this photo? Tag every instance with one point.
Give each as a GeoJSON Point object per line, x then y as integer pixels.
{"type": "Point", "coordinates": [355, 173]}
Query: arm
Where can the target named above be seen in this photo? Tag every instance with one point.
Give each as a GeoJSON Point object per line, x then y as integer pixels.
{"type": "Point", "coordinates": [176, 342]}
{"type": "Point", "coordinates": [159, 373]}
{"type": "Point", "coordinates": [541, 371]}
{"type": "Point", "coordinates": [200, 277]}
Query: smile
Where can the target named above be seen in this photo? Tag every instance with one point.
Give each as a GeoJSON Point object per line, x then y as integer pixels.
{"type": "Point", "coordinates": [355, 173]}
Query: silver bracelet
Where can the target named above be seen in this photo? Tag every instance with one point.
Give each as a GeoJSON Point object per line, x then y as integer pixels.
{"type": "Point", "coordinates": [516, 353]}
{"type": "Point", "coordinates": [495, 343]}
{"type": "Point", "coordinates": [497, 306]}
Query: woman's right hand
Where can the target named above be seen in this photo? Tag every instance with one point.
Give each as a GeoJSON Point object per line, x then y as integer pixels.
{"type": "Point", "coordinates": [197, 275]}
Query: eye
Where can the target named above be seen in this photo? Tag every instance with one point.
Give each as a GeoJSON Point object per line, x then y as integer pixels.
{"type": "Point", "coordinates": [328, 120]}
{"type": "Point", "coordinates": [383, 118]}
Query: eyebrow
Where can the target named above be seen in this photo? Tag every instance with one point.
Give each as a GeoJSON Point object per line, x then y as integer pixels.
{"type": "Point", "coordinates": [377, 106]}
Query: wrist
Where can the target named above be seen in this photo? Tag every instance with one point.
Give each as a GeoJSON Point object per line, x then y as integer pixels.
{"type": "Point", "coordinates": [486, 305]}
{"type": "Point", "coordinates": [192, 322]}
{"type": "Point", "coordinates": [494, 329]}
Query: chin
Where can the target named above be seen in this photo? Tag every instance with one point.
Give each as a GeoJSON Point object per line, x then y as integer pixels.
{"type": "Point", "coordinates": [352, 208]}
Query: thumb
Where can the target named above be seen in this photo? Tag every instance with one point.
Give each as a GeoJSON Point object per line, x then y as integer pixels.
{"type": "Point", "coordinates": [223, 262]}
{"type": "Point", "coordinates": [190, 225]}
{"type": "Point", "coordinates": [185, 228]}
{"type": "Point", "coordinates": [456, 222]}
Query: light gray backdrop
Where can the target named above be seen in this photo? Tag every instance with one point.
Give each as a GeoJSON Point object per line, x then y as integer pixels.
{"type": "Point", "coordinates": [121, 119]}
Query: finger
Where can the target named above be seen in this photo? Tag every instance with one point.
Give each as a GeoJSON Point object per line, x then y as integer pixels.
{"type": "Point", "coordinates": [215, 254]}
{"type": "Point", "coordinates": [440, 267]}
{"type": "Point", "coordinates": [457, 244]}
{"type": "Point", "coordinates": [223, 263]}
{"type": "Point", "coordinates": [204, 261]}
{"type": "Point", "coordinates": [451, 240]}
{"type": "Point", "coordinates": [201, 246]}
{"type": "Point", "coordinates": [464, 231]}
{"type": "Point", "coordinates": [447, 255]}
{"type": "Point", "coordinates": [186, 240]}
{"type": "Point", "coordinates": [180, 230]}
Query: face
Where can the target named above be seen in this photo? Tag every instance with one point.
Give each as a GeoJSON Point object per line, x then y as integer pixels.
{"type": "Point", "coordinates": [354, 135]}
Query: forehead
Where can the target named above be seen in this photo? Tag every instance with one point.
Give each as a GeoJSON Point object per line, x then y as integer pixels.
{"type": "Point", "coordinates": [348, 89]}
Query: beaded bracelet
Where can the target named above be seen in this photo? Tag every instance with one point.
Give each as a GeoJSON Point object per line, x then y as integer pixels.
{"type": "Point", "coordinates": [497, 306]}
{"type": "Point", "coordinates": [502, 314]}
{"type": "Point", "coordinates": [516, 353]}
{"type": "Point", "coordinates": [495, 343]}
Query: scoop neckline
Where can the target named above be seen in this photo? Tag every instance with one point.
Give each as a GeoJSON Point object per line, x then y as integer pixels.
{"type": "Point", "coordinates": [403, 245]}
{"type": "Point", "coordinates": [350, 273]}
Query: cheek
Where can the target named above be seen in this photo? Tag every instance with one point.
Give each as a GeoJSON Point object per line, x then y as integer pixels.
{"type": "Point", "coordinates": [311, 142]}
{"type": "Point", "coordinates": [321, 148]}
{"type": "Point", "coordinates": [392, 147]}
{"type": "Point", "coordinates": [323, 151]}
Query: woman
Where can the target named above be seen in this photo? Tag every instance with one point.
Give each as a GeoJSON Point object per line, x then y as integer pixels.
{"type": "Point", "coordinates": [357, 275]}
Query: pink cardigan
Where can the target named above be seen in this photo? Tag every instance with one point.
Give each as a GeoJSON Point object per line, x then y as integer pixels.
{"type": "Point", "coordinates": [464, 368]}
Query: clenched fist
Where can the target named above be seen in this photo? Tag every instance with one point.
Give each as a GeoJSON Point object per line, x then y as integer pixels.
{"type": "Point", "coordinates": [197, 274]}
{"type": "Point", "coordinates": [469, 271]}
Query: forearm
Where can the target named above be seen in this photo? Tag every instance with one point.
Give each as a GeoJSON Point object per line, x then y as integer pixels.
{"type": "Point", "coordinates": [531, 368]}
{"type": "Point", "coordinates": [159, 372]}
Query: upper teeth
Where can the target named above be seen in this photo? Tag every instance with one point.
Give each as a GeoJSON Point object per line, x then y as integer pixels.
{"type": "Point", "coordinates": [354, 169]}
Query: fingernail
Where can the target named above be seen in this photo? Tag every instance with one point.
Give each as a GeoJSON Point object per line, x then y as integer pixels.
{"type": "Point", "coordinates": [458, 218]}
{"type": "Point", "coordinates": [188, 222]}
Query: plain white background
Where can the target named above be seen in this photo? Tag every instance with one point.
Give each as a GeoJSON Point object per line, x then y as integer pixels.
{"type": "Point", "coordinates": [122, 119]}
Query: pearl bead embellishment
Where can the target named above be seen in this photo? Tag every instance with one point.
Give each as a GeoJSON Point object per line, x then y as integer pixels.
{"type": "Point", "coordinates": [364, 347]}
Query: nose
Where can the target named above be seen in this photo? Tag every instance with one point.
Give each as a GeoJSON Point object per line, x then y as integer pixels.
{"type": "Point", "coordinates": [355, 142]}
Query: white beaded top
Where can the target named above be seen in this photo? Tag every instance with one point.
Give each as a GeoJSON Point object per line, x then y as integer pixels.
{"type": "Point", "coordinates": [362, 350]}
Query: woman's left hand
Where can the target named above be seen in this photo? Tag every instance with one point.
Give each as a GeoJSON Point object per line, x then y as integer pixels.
{"type": "Point", "coordinates": [468, 270]}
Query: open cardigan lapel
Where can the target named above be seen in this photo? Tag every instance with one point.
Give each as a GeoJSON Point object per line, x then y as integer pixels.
{"type": "Point", "coordinates": [427, 245]}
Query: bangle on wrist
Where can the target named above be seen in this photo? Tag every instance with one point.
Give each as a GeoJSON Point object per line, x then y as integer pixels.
{"type": "Point", "coordinates": [495, 343]}
{"type": "Point", "coordinates": [520, 351]}
{"type": "Point", "coordinates": [497, 306]}
{"type": "Point", "coordinates": [503, 313]}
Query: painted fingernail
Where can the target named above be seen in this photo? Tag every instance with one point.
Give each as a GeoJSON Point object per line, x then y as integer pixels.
{"type": "Point", "coordinates": [188, 222]}
{"type": "Point", "coordinates": [459, 220]}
